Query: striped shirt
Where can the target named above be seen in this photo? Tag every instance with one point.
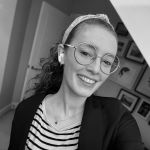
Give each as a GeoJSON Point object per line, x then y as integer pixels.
{"type": "Point", "coordinates": [44, 135]}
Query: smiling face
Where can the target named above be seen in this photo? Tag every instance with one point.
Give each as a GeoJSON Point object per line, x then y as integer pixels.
{"type": "Point", "coordinates": [85, 80]}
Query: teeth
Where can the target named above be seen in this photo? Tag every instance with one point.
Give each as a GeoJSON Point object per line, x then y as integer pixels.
{"type": "Point", "coordinates": [87, 80]}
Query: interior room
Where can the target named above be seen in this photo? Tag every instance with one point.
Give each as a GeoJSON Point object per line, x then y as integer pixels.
{"type": "Point", "coordinates": [28, 26]}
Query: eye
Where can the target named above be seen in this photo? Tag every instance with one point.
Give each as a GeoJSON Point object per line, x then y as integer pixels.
{"type": "Point", "coordinates": [85, 53]}
{"type": "Point", "coordinates": [106, 62]}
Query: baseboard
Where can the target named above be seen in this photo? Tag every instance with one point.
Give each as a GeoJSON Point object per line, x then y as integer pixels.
{"type": "Point", "coordinates": [5, 110]}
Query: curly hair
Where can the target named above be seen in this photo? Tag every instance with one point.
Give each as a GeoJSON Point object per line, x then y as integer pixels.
{"type": "Point", "coordinates": [50, 78]}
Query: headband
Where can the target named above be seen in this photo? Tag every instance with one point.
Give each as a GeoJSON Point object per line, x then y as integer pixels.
{"type": "Point", "coordinates": [83, 18]}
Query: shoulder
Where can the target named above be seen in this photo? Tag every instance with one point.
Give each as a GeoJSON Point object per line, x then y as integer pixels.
{"type": "Point", "coordinates": [35, 99]}
{"type": "Point", "coordinates": [26, 110]}
{"type": "Point", "coordinates": [22, 119]}
{"type": "Point", "coordinates": [111, 107]}
{"type": "Point", "coordinates": [118, 119]}
{"type": "Point", "coordinates": [29, 105]}
{"type": "Point", "coordinates": [108, 103]}
{"type": "Point", "coordinates": [116, 115]}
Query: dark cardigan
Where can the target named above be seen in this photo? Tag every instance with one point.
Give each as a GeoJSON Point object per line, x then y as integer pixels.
{"type": "Point", "coordinates": [106, 125]}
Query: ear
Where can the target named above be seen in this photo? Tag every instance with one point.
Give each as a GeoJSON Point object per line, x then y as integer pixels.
{"type": "Point", "coordinates": [61, 54]}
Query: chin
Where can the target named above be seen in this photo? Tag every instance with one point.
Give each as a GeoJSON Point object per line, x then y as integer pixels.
{"type": "Point", "coordinates": [83, 93]}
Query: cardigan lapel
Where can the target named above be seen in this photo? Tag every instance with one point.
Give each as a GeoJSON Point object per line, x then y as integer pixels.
{"type": "Point", "coordinates": [92, 126]}
{"type": "Point", "coordinates": [29, 115]}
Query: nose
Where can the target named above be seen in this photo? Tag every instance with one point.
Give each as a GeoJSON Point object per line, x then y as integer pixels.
{"type": "Point", "coordinates": [94, 67]}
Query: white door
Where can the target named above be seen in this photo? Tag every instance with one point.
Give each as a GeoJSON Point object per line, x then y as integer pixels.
{"type": "Point", "coordinates": [51, 24]}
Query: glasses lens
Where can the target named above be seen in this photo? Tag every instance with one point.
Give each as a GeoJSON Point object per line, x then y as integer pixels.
{"type": "Point", "coordinates": [84, 54]}
{"type": "Point", "coordinates": [109, 63]}
{"type": "Point", "coordinates": [115, 65]}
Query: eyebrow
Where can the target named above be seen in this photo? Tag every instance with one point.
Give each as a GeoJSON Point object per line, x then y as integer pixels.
{"type": "Point", "coordinates": [96, 48]}
{"type": "Point", "coordinates": [92, 46]}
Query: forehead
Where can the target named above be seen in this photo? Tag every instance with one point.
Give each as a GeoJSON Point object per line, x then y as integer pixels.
{"type": "Point", "coordinates": [98, 36]}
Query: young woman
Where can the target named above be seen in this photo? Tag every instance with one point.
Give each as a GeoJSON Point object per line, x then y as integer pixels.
{"type": "Point", "coordinates": [64, 114]}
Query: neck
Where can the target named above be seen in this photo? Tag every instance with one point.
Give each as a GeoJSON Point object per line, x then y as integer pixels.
{"type": "Point", "coordinates": [69, 102]}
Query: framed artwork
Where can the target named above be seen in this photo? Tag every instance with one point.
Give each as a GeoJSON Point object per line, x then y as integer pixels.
{"type": "Point", "coordinates": [121, 29]}
{"type": "Point", "coordinates": [128, 99]}
{"type": "Point", "coordinates": [127, 74]}
{"type": "Point", "coordinates": [122, 45]}
{"type": "Point", "coordinates": [143, 109]}
{"type": "Point", "coordinates": [134, 53]}
{"type": "Point", "coordinates": [143, 86]}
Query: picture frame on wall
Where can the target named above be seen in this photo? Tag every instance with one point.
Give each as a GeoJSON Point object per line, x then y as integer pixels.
{"type": "Point", "coordinates": [143, 86]}
{"type": "Point", "coordinates": [121, 29]}
{"type": "Point", "coordinates": [134, 53]}
{"type": "Point", "coordinates": [127, 74]}
{"type": "Point", "coordinates": [143, 110]}
{"type": "Point", "coordinates": [123, 43]}
{"type": "Point", "coordinates": [129, 100]}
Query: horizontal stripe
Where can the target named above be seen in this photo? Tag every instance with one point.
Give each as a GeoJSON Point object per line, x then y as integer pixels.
{"type": "Point", "coordinates": [34, 146]}
{"type": "Point", "coordinates": [51, 144]}
{"type": "Point", "coordinates": [78, 126]}
{"type": "Point", "coordinates": [46, 136]}
{"type": "Point", "coordinates": [37, 145]}
{"type": "Point", "coordinates": [52, 131]}
{"type": "Point", "coordinates": [41, 119]}
{"type": "Point", "coordinates": [43, 136]}
{"type": "Point", "coordinates": [55, 142]}
{"type": "Point", "coordinates": [28, 147]}
{"type": "Point", "coordinates": [40, 109]}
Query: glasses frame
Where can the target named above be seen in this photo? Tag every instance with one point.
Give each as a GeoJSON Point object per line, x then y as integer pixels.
{"type": "Point", "coordinates": [75, 48]}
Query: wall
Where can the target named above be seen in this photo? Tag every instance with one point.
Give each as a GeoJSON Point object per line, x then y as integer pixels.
{"type": "Point", "coordinates": [26, 49]}
{"type": "Point", "coordinates": [16, 35]}
{"type": "Point", "coordinates": [7, 10]}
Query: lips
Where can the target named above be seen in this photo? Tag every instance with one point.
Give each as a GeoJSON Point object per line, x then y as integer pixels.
{"type": "Point", "coordinates": [87, 79]}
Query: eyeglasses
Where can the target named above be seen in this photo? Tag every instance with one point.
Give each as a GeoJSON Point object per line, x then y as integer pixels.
{"type": "Point", "coordinates": [85, 54]}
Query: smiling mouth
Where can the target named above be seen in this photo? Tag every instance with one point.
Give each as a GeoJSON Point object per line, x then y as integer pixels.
{"type": "Point", "coordinates": [87, 80]}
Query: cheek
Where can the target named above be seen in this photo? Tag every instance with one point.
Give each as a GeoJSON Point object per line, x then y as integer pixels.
{"type": "Point", "coordinates": [70, 64]}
